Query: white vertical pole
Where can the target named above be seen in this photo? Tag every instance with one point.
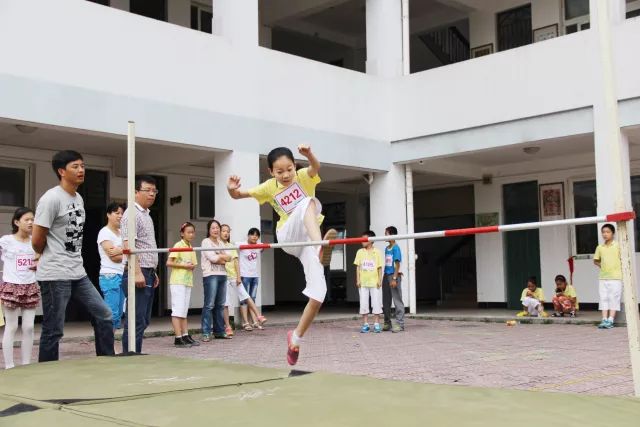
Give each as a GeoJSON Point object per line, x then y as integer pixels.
{"type": "Point", "coordinates": [613, 141]}
{"type": "Point", "coordinates": [411, 256]}
{"type": "Point", "coordinates": [406, 63]}
{"type": "Point", "coordinates": [131, 234]}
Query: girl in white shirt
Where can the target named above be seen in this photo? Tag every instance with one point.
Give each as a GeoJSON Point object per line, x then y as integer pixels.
{"type": "Point", "coordinates": [19, 291]}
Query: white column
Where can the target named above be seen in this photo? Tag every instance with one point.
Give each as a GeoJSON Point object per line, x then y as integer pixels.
{"type": "Point", "coordinates": [388, 206]}
{"type": "Point", "coordinates": [384, 37]}
{"type": "Point", "coordinates": [243, 214]}
{"type": "Point", "coordinates": [236, 21]}
{"type": "Point", "coordinates": [612, 162]}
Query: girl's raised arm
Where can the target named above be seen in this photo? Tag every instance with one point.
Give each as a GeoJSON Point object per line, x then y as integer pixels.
{"type": "Point", "coordinates": [233, 187]}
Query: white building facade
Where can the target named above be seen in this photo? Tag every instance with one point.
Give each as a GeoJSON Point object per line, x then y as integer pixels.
{"type": "Point", "coordinates": [486, 104]}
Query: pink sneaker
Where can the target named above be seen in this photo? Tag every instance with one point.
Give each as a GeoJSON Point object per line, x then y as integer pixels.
{"type": "Point", "coordinates": [292, 351]}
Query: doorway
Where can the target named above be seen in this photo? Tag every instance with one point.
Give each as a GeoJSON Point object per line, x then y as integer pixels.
{"type": "Point", "coordinates": [158, 214]}
{"type": "Point", "coordinates": [514, 28]}
{"type": "Point", "coordinates": [522, 248]}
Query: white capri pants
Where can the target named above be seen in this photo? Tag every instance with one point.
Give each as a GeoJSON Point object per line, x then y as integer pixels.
{"type": "Point", "coordinates": [531, 304]}
{"type": "Point", "coordinates": [376, 300]}
{"type": "Point", "coordinates": [294, 231]}
{"type": "Point", "coordinates": [180, 298]}
{"type": "Point", "coordinates": [235, 293]}
{"type": "Point", "coordinates": [610, 294]}
{"type": "Point", "coordinates": [232, 295]}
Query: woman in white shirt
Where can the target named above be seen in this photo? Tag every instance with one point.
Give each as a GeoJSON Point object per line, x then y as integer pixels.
{"type": "Point", "coordinates": [19, 291]}
{"type": "Point", "coordinates": [111, 266]}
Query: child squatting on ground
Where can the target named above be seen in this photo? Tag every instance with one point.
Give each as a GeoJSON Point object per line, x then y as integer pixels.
{"type": "Point", "coordinates": [369, 282]}
{"type": "Point", "coordinates": [565, 301]}
{"type": "Point", "coordinates": [532, 300]}
{"type": "Point", "coordinates": [291, 193]}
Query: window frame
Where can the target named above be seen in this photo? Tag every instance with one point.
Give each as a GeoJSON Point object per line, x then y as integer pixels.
{"type": "Point", "coordinates": [28, 180]}
{"type": "Point", "coordinates": [195, 199]}
{"type": "Point", "coordinates": [201, 7]}
{"type": "Point", "coordinates": [579, 21]}
{"type": "Point", "coordinates": [571, 211]}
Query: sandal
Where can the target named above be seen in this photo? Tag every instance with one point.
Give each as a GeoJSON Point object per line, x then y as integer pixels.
{"type": "Point", "coordinates": [258, 326]}
{"type": "Point", "coordinates": [262, 320]}
{"type": "Point", "coordinates": [228, 331]}
{"type": "Point", "coordinates": [247, 327]}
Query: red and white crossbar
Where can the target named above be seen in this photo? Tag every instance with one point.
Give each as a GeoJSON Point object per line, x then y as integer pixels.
{"type": "Point", "coordinates": [622, 216]}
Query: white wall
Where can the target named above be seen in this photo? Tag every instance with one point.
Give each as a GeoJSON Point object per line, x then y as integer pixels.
{"type": "Point", "coordinates": [531, 81]}
{"type": "Point", "coordinates": [221, 95]}
{"type": "Point", "coordinates": [556, 243]}
{"type": "Point", "coordinates": [490, 272]}
{"type": "Point", "coordinates": [482, 23]}
{"type": "Point", "coordinates": [179, 12]}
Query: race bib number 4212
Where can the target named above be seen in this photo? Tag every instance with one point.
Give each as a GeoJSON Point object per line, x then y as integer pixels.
{"type": "Point", "coordinates": [289, 198]}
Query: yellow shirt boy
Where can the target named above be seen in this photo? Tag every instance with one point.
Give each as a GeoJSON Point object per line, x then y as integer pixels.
{"type": "Point", "coordinates": [369, 262]}
{"type": "Point", "coordinates": [537, 294]}
{"type": "Point", "coordinates": [610, 264]}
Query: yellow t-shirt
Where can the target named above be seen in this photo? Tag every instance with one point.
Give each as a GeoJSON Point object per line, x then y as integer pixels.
{"type": "Point", "coordinates": [570, 292]}
{"type": "Point", "coordinates": [231, 266]}
{"type": "Point", "coordinates": [537, 294]}
{"type": "Point", "coordinates": [369, 262]}
{"type": "Point", "coordinates": [610, 264]}
{"type": "Point", "coordinates": [285, 199]}
{"type": "Point", "coordinates": [182, 276]}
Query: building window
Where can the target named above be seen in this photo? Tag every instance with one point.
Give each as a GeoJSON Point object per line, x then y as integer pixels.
{"type": "Point", "coordinates": [575, 8]}
{"type": "Point", "coordinates": [201, 17]}
{"type": "Point", "coordinates": [585, 205]}
{"type": "Point", "coordinates": [13, 187]}
{"type": "Point", "coordinates": [156, 9]}
{"type": "Point", "coordinates": [576, 16]}
{"type": "Point", "coordinates": [202, 201]}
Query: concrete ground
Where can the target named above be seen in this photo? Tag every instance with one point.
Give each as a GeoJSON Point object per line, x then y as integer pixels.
{"type": "Point", "coordinates": [546, 357]}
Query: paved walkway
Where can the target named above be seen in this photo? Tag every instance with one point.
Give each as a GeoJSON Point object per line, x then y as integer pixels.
{"type": "Point", "coordinates": [79, 331]}
{"type": "Point", "coordinates": [545, 357]}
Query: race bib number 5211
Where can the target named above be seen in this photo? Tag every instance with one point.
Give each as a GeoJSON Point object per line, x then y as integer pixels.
{"type": "Point", "coordinates": [289, 198]}
{"type": "Point", "coordinates": [24, 262]}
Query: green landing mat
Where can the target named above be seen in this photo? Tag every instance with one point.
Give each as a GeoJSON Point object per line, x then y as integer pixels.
{"type": "Point", "coordinates": [163, 391]}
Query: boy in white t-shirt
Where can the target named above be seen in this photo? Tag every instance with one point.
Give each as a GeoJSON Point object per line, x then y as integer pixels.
{"type": "Point", "coordinates": [249, 263]}
{"type": "Point", "coordinates": [111, 266]}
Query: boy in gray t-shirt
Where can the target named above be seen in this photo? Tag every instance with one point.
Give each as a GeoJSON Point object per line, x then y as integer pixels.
{"type": "Point", "coordinates": [57, 235]}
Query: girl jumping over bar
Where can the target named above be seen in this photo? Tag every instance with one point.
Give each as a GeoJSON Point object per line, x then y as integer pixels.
{"type": "Point", "coordinates": [292, 196]}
